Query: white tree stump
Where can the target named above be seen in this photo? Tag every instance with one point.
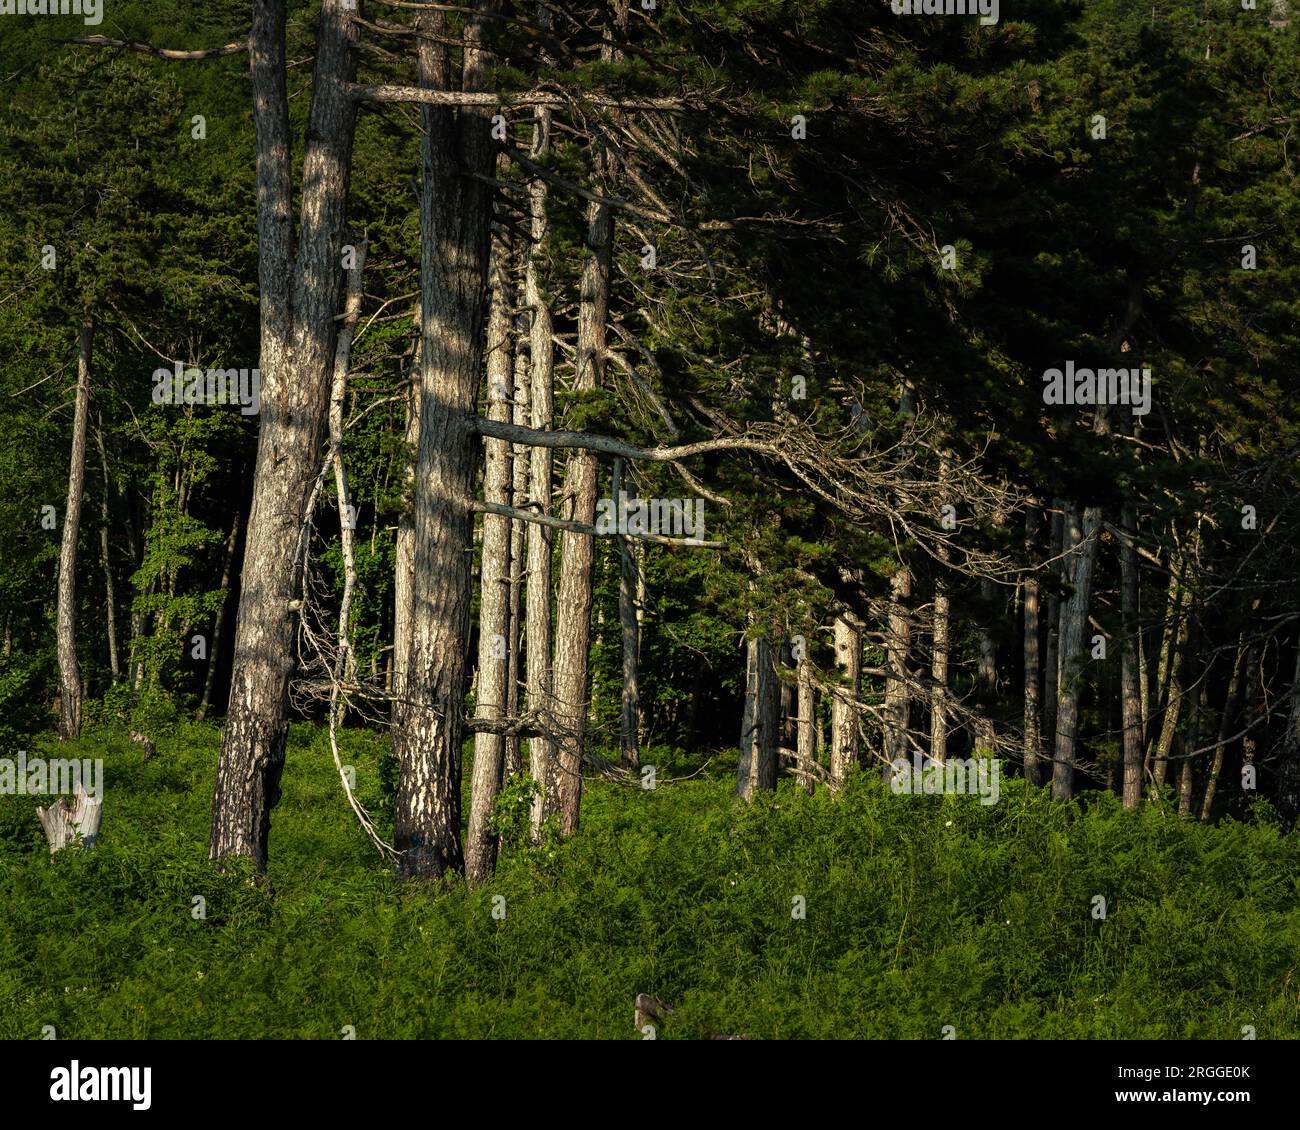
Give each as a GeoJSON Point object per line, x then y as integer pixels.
{"type": "Point", "coordinates": [65, 822]}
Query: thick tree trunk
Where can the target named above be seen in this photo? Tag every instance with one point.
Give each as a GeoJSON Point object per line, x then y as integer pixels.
{"type": "Point", "coordinates": [69, 668]}
{"type": "Point", "coordinates": [494, 575]}
{"type": "Point", "coordinates": [1074, 622]}
{"type": "Point", "coordinates": [1033, 674]}
{"type": "Point", "coordinates": [845, 747]}
{"type": "Point", "coordinates": [299, 297]}
{"type": "Point", "coordinates": [218, 626]}
{"type": "Point", "coordinates": [455, 215]}
{"type": "Point", "coordinates": [110, 589]}
{"type": "Point", "coordinates": [1130, 689]}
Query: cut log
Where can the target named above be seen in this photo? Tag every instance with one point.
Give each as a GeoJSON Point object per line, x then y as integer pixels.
{"type": "Point", "coordinates": [71, 822]}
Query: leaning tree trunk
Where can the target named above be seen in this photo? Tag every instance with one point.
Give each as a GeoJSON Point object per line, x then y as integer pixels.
{"type": "Point", "coordinates": [455, 217]}
{"type": "Point", "coordinates": [69, 668]}
{"type": "Point", "coordinates": [845, 748]}
{"type": "Point", "coordinates": [299, 298]}
{"type": "Point", "coordinates": [494, 575]}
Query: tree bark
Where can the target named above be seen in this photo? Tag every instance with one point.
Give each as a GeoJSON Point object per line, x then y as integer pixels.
{"type": "Point", "coordinates": [1052, 651]}
{"type": "Point", "coordinates": [629, 585]}
{"type": "Point", "coordinates": [494, 576]}
{"type": "Point", "coordinates": [299, 298]}
{"type": "Point", "coordinates": [845, 746]}
{"type": "Point", "coordinates": [455, 215]}
{"type": "Point", "coordinates": [1074, 622]}
{"type": "Point", "coordinates": [1130, 660]}
{"type": "Point", "coordinates": [519, 498]}
{"type": "Point", "coordinates": [758, 760]}
{"type": "Point", "coordinates": [69, 668]}
{"type": "Point", "coordinates": [218, 626]}
{"type": "Point", "coordinates": [806, 740]}
{"type": "Point", "coordinates": [1230, 706]}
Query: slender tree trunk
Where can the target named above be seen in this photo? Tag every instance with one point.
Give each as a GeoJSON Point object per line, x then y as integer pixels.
{"type": "Point", "coordinates": [1033, 674]}
{"type": "Point", "coordinates": [347, 515]}
{"type": "Point", "coordinates": [519, 499]}
{"type": "Point", "coordinates": [748, 721]}
{"type": "Point", "coordinates": [1191, 740]}
{"type": "Point", "coordinates": [455, 215]}
{"type": "Point", "coordinates": [759, 742]}
{"type": "Point", "coordinates": [1288, 785]}
{"type": "Point", "coordinates": [845, 747]}
{"type": "Point", "coordinates": [898, 646]}
{"type": "Point", "coordinates": [494, 575]}
{"type": "Point", "coordinates": [1230, 706]}
{"type": "Point", "coordinates": [577, 550]}
{"type": "Point", "coordinates": [539, 677]}
{"type": "Point", "coordinates": [629, 584]}
{"type": "Point", "coordinates": [299, 297]}
{"type": "Point", "coordinates": [110, 594]}
{"type": "Point", "coordinates": [805, 745]}
{"type": "Point", "coordinates": [1130, 691]}
{"type": "Point", "coordinates": [1052, 652]}
{"type": "Point", "coordinates": [404, 549]}
{"type": "Point", "coordinates": [1180, 605]}
{"type": "Point", "coordinates": [218, 626]}
{"type": "Point", "coordinates": [939, 672]}
{"type": "Point", "coordinates": [1074, 622]}
{"type": "Point", "coordinates": [69, 668]}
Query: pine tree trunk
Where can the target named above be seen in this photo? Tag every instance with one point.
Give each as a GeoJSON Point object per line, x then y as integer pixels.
{"type": "Point", "coordinates": [110, 594]}
{"type": "Point", "coordinates": [404, 548]}
{"type": "Point", "coordinates": [577, 550]}
{"type": "Point", "coordinates": [1033, 673]}
{"type": "Point", "coordinates": [1180, 603]}
{"type": "Point", "coordinates": [758, 761]}
{"type": "Point", "coordinates": [628, 586]}
{"type": "Point", "coordinates": [1231, 705]}
{"type": "Point", "coordinates": [806, 745]}
{"type": "Point", "coordinates": [1052, 651]}
{"type": "Point", "coordinates": [1074, 623]}
{"type": "Point", "coordinates": [455, 215]}
{"type": "Point", "coordinates": [539, 677]}
{"type": "Point", "coordinates": [69, 668]}
{"type": "Point", "coordinates": [1130, 690]}
{"type": "Point", "coordinates": [939, 672]}
{"type": "Point", "coordinates": [898, 646]}
{"type": "Point", "coordinates": [299, 298]}
{"type": "Point", "coordinates": [1191, 741]}
{"type": "Point", "coordinates": [845, 747]}
{"type": "Point", "coordinates": [494, 574]}
{"type": "Point", "coordinates": [520, 413]}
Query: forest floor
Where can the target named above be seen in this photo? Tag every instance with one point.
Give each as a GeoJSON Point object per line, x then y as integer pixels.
{"type": "Point", "coordinates": [917, 913]}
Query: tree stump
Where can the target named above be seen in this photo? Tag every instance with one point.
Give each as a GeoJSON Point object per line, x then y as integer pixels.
{"type": "Point", "coordinates": [143, 740]}
{"type": "Point", "coordinates": [67, 822]}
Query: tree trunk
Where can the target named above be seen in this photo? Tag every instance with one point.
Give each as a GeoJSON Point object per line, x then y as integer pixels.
{"type": "Point", "coordinates": [455, 215]}
{"type": "Point", "coordinates": [939, 672]}
{"type": "Point", "coordinates": [1130, 660]}
{"type": "Point", "coordinates": [1288, 784]}
{"type": "Point", "coordinates": [494, 574]}
{"type": "Point", "coordinates": [539, 677]}
{"type": "Point", "coordinates": [845, 747]}
{"type": "Point", "coordinates": [1180, 605]}
{"type": "Point", "coordinates": [806, 746]}
{"type": "Point", "coordinates": [1191, 741]}
{"type": "Point", "coordinates": [299, 298]}
{"type": "Point", "coordinates": [577, 550]}
{"type": "Point", "coordinates": [1032, 720]}
{"type": "Point", "coordinates": [1230, 706]}
{"type": "Point", "coordinates": [758, 761]}
{"type": "Point", "coordinates": [1074, 622]}
{"type": "Point", "coordinates": [404, 549]}
{"type": "Point", "coordinates": [110, 594]}
{"type": "Point", "coordinates": [629, 584]}
{"type": "Point", "coordinates": [1052, 652]}
{"type": "Point", "coordinates": [898, 645]}
{"type": "Point", "coordinates": [69, 668]}
{"type": "Point", "coordinates": [218, 626]}
{"type": "Point", "coordinates": [519, 499]}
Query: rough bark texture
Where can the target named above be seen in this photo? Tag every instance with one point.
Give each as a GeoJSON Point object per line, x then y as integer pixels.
{"type": "Point", "coordinates": [845, 746]}
{"type": "Point", "coordinates": [806, 745]}
{"type": "Point", "coordinates": [629, 585]}
{"type": "Point", "coordinates": [299, 298]}
{"type": "Point", "coordinates": [898, 699]}
{"type": "Point", "coordinates": [939, 672]}
{"type": "Point", "coordinates": [758, 744]}
{"type": "Point", "coordinates": [537, 616]}
{"type": "Point", "coordinates": [66, 628]}
{"type": "Point", "coordinates": [455, 214]}
{"type": "Point", "coordinates": [519, 499]}
{"type": "Point", "coordinates": [494, 576]}
{"type": "Point", "coordinates": [577, 550]}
